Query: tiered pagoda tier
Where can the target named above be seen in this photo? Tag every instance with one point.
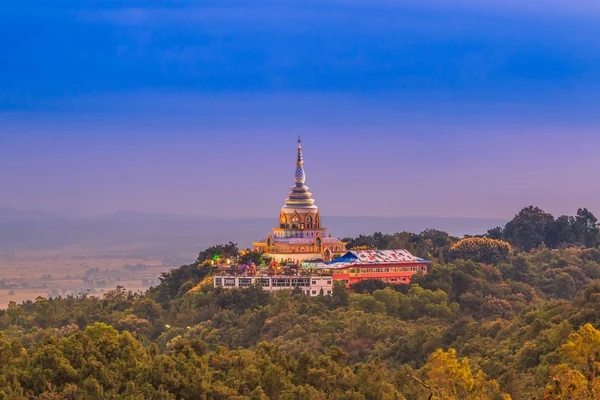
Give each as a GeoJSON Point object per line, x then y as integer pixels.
{"type": "Point", "coordinates": [300, 236]}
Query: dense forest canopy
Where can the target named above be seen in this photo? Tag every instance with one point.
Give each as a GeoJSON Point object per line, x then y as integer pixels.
{"type": "Point", "coordinates": [510, 314]}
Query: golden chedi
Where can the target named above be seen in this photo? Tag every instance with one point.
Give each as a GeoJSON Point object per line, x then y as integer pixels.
{"type": "Point", "coordinates": [300, 236]}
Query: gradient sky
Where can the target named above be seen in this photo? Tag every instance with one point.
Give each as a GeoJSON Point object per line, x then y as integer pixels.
{"type": "Point", "coordinates": [406, 108]}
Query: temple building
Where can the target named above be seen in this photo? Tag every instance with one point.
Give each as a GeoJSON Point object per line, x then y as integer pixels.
{"type": "Point", "coordinates": [300, 235]}
{"type": "Point", "coordinates": [390, 266]}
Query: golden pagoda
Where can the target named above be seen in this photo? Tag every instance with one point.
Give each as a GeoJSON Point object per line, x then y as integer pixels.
{"type": "Point", "coordinates": [300, 236]}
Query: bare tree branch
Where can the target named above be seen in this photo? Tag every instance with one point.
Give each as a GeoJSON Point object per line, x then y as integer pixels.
{"type": "Point", "coordinates": [424, 385]}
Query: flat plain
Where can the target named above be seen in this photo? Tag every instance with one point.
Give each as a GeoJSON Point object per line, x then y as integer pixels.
{"type": "Point", "coordinates": [26, 274]}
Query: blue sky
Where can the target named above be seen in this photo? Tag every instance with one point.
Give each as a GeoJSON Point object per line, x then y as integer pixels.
{"type": "Point", "coordinates": [440, 108]}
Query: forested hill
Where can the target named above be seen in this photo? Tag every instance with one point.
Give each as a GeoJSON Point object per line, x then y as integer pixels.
{"type": "Point", "coordinates": [493, 319]}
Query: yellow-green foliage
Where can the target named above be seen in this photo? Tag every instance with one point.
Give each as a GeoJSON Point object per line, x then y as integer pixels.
{"type": "Point", "coordinates": [527, 328]}
{"type": "Point", "coordinates": [484, 250]}
{"type": "Point", "coordinates": [451, 378]}
{"type": "Point", "coordinates": [578, 377]}
{"type": "Point", "coordinates": [204, 283]}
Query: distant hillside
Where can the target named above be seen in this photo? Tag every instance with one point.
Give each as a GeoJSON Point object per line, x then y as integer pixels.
{"type": "Point", "coordinates": [176, 233]}
{"type": "Point", "coordinates": [353, 226]}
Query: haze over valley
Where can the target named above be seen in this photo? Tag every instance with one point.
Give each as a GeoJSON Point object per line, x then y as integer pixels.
{"type": "Point", "coordinates": [47, 254]}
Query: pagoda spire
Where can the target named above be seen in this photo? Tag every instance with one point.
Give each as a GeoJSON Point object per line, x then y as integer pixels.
{"type": "Point", "coordinates": [299, 161]}
{"type": "Point", "coordinates": [300, 196]}
{"type": "Point", "coordinates": [299, 175]}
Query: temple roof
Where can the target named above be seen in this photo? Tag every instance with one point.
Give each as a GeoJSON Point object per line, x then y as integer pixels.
{"type": "Point", "coordinates": [363, 257]}
{"type": "Point", "coordinates": [378, 256]}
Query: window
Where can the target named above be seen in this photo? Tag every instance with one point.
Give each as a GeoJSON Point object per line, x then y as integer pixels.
{"type": "Point", "coordinates": [245, 282]}
{"type": "Point", "coordinates": [309, 222]}
{"type": "Point", "coordinates": [218, 281]}
{"type": "Point", "coordinates": [264, 282]}
{"type": "Point", "coordinates": [300, 282]}
{"type": "Point", "coordinates": [329, 292]}
{"type": "Point", "coordinates": [314, 282]}
{"type": "Point", "coordinates": [314, 292]}
{"type": "Point", "coordinates": [229, 282]}
{"type": "Point", "coordinates": [329, 282]}
{"type": "Point", "coordinates": [280, 282]}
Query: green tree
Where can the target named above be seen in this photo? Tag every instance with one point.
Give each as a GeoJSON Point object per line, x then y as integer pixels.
{"type": "Point", "coordinates": [147, 308]}
{"type": "Point", "coordinates": [586, 228]}
{"type": "Point", "coordinates": [257, 257]}
{"type": "Point", "coordinates": [367, 286]}
{"type": "Point", "coordinates": [495, 233]}
{"type": "Point", "coordinates": [562, 232]}
{"type": "Point", "coordinates": [221, 251]}
{"type": "Point", "coordinates": [529, 228]}
{"type": "Point", "coordinates": [340, 295]}
{"type": "Point", "coordinates": [15, 313]}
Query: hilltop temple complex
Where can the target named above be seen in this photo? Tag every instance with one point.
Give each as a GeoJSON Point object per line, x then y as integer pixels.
{"type": "Point", "coordinates": [301, 240]}
{"type": "Point", "coordinates": [300, 236]}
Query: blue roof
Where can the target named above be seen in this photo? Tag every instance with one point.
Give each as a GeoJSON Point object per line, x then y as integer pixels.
{"type": "Point", "coordinates": [348, 257]}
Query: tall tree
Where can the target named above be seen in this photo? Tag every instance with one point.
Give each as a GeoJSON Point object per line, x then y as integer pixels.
{"type": "Point", "coordinates": [562, 233]}
{"type": "Point", "coordinates": [529, 228]}
{"type": "Point", "coordinates": [585, 228]}
{"type": "Point", "coordinates": [495, 233]}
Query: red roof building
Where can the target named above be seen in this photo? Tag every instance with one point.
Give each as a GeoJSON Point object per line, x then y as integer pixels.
{"type": "Point", "coordinates": [391, 266]}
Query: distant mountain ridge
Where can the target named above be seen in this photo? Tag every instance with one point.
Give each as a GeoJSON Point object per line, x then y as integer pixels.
{"type": "Point", "coordinates": [24, 229]}
{"type": "Point", "coordinates": [12, 214]}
